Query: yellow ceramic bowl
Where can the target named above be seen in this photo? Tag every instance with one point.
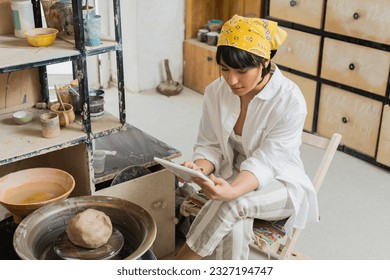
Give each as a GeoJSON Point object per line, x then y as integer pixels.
{"type": "Point", "coordinates": [41, 37]}
{"type": "Point", "coordinates": [24, 191]}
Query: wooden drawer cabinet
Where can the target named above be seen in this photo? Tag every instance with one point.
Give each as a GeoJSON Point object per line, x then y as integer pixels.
{"type": "Point", "coordinates": [299, 52]}
{"type": "Point", "coordinates": [384, 139]}
{"type": "Point", "coordinates": [308, 88]}
{"type": "Point", "coordinates": [355, 117]}
{"type": "Point", "coordinates": [200, 67]}
{"type": "Point", "coordinates": [199, 12]}
{"type": "Point", "coordinates": [305, 12]}
{"type": "Point", "coordinates": [368, 20]}
{"type": "Point", "coordinates": [356, 66]}
{"type": "Point", "coordinates": [338, 53]}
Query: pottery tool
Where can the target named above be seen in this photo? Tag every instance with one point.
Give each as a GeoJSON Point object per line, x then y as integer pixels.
{"type": "Point", "coordinates": [59, 98]}
{"type": "Point", "coordinates": [169, 87]}
{"type": "Point", "coordinates": [75, 92]}
{"type": "Point", "coordinates": [87, 8]}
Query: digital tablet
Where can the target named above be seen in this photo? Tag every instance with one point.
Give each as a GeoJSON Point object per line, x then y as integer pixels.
{"type": "Point", "coordinates": [181, 171]}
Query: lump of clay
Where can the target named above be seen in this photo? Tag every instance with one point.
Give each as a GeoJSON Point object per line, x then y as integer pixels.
{"type": "Point", "coordinates": [89, 229]}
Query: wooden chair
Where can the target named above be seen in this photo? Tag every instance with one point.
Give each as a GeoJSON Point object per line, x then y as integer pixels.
{"type": "Point", "coordinates": [285, 251]}
{"type": "Point", "coordinates": [271, 233]}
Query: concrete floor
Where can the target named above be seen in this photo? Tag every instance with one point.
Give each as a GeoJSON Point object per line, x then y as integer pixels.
{"type": "Point", "coordinates": [354, 199]}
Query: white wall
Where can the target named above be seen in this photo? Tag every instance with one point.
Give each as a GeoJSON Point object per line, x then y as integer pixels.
{"type": "Point", "coordinates": [152, 30]}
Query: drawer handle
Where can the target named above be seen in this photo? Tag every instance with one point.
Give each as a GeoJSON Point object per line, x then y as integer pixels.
{"type": "Point", "coordinates": [351, 66]}
{"type": "Point", "coordinates": [344, 119]}
{"type": "Point", "coordinates": [356, 15]}
{"type": "Point", "coordinates": [293, 3]}
{"type": "Point", "coordinates": [209, 58]}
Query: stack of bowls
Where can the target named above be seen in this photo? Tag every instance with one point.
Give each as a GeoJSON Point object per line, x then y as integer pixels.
{"type": "Point", "coordinates": [210, 32]}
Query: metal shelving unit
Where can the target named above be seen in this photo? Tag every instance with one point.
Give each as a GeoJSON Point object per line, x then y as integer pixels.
{"type": "Point", "coordinates": [21, 145]}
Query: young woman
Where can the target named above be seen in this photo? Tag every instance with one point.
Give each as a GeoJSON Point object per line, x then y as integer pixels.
{"type": "Point", "coordinates": [248, 142]}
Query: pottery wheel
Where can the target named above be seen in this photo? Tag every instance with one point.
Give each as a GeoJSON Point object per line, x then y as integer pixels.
{"type": "Point", "coordinates": [65, 249]}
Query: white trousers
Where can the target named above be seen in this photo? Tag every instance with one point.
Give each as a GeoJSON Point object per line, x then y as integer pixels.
{"type": "Point", "coordinates": [224, 229]}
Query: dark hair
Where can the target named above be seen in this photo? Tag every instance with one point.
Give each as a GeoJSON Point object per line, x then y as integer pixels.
{"type": "Point", "coordinates": [240, 59]}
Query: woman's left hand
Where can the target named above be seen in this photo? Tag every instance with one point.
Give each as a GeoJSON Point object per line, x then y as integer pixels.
{"type": "Point", "coordinates": [221, 190]}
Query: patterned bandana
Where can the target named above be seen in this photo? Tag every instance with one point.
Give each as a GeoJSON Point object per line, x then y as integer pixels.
{"type": "Point", "coordinates": [255, 35]}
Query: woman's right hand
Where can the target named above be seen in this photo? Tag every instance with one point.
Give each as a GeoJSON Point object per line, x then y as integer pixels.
{"type": "Point", "coordinates": [192, 165]}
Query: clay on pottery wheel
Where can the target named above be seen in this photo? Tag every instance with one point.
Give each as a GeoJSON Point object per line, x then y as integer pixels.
{"type": "Point", "coordinates": [89, 229]}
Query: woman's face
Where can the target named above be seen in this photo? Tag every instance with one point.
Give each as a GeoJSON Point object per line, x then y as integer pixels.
{"type": "Point", "coordinates": [242, 81]}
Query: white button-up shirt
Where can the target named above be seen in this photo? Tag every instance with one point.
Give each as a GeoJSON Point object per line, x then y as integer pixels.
{"type": "Point", "coordinates": [271, 138]}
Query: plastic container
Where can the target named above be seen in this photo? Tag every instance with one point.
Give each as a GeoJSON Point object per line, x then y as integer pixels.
{"type": "Point", "coordinates": [22, 16]}
{"type": "Point", "coordinates": [92, 27]}
{"type": "Point", "coordinates": [99, 159]}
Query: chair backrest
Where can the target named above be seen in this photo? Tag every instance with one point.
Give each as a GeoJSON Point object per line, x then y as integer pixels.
{"type": "Point", "coordinates": [329, 146]}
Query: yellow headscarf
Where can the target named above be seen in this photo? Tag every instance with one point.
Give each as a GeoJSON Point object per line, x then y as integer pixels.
{"type": "Point", "coordinates": [255, 35]}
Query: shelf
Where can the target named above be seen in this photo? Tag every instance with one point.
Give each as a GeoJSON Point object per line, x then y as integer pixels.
{"type": "Point", "coordinates": [202, 44]}
{"type": "Point", "coordinates": [20, 142]}
{"type": "Point", "coordinates": [107, 44]}
{"type": "Point", "coordinates": [17, 54]}
{"type": "Point", "coordinates": [23, 146]}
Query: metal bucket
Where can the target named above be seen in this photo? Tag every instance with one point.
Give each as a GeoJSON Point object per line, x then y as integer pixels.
{"type": "Point", "coordinates": [75, 97]}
